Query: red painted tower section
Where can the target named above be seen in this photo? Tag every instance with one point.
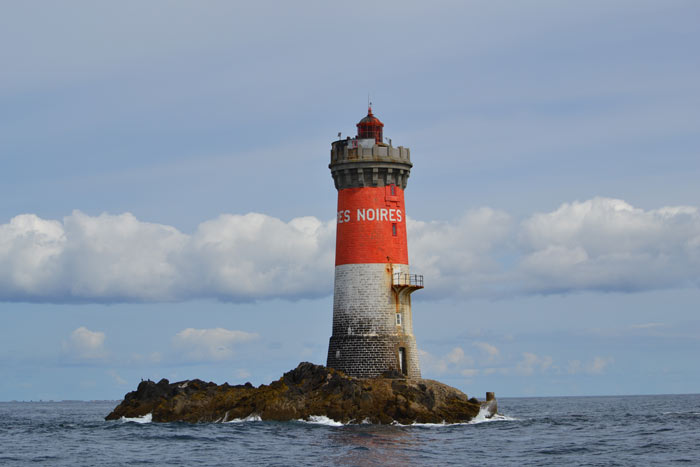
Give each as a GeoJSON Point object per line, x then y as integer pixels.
{"type": "Point", "coordinates": [372, 317]}
{"type": "Point", "coordinates": [371, 226]}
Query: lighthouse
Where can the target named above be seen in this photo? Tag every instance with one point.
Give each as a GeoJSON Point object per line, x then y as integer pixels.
{"type": "Point", "coordinates": [372, 320]}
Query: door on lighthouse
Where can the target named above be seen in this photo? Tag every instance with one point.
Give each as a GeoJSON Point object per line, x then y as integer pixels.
{"type": "Point", "coordinates": [402, 360]}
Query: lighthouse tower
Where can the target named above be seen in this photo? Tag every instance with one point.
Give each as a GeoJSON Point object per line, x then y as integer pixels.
{"type": "Point", "coordinates": [372, 322]}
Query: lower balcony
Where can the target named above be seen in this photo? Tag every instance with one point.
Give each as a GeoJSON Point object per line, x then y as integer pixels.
{"type": "Point", "coordinates": [407, 282]}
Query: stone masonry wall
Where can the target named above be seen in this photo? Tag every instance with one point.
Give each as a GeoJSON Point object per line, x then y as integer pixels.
{"type": "Point", "coordinates": [366, 338]}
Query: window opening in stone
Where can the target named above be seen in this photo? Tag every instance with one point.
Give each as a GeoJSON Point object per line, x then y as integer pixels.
{"type": "Point", "coordinates": [393, 230]}
{"type": "Point", "coordinates": [398, 319]}
{"type": "Point", "coordinates": [393, 189]}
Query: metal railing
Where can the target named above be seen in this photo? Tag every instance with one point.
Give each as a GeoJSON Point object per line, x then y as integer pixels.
{"type": "Point", "coordinates": [414, 280]}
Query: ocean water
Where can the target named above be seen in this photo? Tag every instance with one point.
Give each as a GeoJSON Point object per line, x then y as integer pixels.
{"type": "Point", "coordinates": [564, 431]}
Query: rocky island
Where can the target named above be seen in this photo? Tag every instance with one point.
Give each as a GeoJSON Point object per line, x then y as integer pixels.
{"type": "Point", "coordinates": [302, 393]}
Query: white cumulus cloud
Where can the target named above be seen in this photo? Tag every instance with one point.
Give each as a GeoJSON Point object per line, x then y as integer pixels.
{"type": "Point", "coordinates": [85, 344]}
{"type": "Point", "coordinates": [30, 252]}
{"type": "Point", "coordinates": [209, 344]}
{"type": "Point", "coordinates": [607, 244]}
{"type": "Point", "coordinates": [112, 258]}
{"type": "Point", "coordinates": [459, 256]}
{"type": "Point", "coordinates": [258, 256]}
{"type": "Point", "coordinates": [601, 244]}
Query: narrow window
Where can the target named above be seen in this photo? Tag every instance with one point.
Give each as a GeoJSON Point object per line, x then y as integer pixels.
{"type": "Point", "coordinates": [337, 354]}
{"type": "Point", "coordinates": [393, 189]}
{"type": "Point", "coordinates": [393, 230]}
{"type": "Point", "coordinates": [398, 319]}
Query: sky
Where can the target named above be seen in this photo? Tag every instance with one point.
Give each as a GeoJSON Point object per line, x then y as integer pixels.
{"type": "Point", "coordinates": [166, 208]}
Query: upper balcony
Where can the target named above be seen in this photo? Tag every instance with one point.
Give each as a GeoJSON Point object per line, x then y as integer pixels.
{"type": "Point", "coordinates": [358, 150]}
{"type": "Point", "coordinates": [359, 163]}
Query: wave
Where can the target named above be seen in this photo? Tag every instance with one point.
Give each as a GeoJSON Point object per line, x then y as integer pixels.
{"type": "Point", "coordinates": [250, 418]}
{"type": "Point", "coordinates": [481, 417]}
{"type": "Point", "coordinates": [148, 418]}
{"type": "Point", "coordinates": [321, 420]}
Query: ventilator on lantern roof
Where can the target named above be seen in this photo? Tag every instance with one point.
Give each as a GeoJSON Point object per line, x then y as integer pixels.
{"type": "Point", "coordinates": [370, 127]}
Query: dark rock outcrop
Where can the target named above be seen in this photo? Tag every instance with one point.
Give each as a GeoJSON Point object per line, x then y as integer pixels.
{"type": "Point", "coordinates": [308, 390]}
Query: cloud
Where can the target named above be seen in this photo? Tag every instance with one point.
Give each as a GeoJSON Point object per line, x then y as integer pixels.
{"type": "Point", "coordinates": [594, 367]}
{"type": "Point", "coordinates": [608, 245]}
{"type": "Point", "coordinates": [453, 362]}
{"type": "Point", "coordinates": [117, 379]}
{"type": "Point", "coordinates": [85, 344]}
{"type": "Point", "coordinates": [532, 363]}
{"type": "Point", "coordinates": [257, 256]}
{"type": "Point", "coordinates": [456, 363]}
{"type": "Point", "coordinates": [209, 344]}
{"type": "Point", "coordinates": [599, 364]}
{"type": "Point", "coordinates": [242, 373]}
{"type": "Point", "coordinates": [459, 256]}
{"type": "Point", "coordinates": [117, 258]}
{"type": "Point", "coordinates": [529, 364]}
{"type": "Point", "coordinates": [601, 244]}
{"type": "Point", "coordinates": [491, 351]}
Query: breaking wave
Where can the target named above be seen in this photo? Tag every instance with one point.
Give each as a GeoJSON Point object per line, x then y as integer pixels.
{"type": "Point", "coordinates": [321, 420]}
{"type": "Point", "coordinates": [250, 418]}
{"type": "Point", "coordinates": [481, 417]}
{"type": "Point", "coordinates": [148, 418]}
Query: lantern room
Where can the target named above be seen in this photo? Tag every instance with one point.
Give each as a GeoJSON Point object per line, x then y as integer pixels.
{"type": "Point", "coordinates": [370, 127]}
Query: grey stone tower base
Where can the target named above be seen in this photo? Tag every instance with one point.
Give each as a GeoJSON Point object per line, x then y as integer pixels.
{"type": "Point", "coordinates": [368, 338]}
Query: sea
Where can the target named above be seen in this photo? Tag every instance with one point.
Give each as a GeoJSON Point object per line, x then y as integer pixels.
{"type": "Point", "coordinates": [559, 431]}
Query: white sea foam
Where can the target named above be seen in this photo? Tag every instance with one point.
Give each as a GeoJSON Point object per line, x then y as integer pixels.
{"type": "Point", "coordinates": [321, 420]}
{"type": "Point", "coordinates": [481, 417]}
{"type": "Point", "coordinates": [443, 423]}
{"type": "Point", "coordinates": [148, 418]}
{"type": "Point", "coordinates": [250, 418]}
{"type": "Point", "coordinates": [324, 420]}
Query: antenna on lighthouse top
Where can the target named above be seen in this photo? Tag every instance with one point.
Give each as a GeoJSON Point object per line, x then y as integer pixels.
{"type": "Point", "coordinates": [369, 104]}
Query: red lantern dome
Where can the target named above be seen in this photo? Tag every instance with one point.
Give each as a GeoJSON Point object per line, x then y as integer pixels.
{"type": "Point", "coordinates": [370, 127]}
